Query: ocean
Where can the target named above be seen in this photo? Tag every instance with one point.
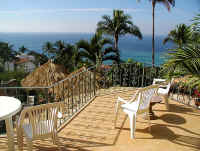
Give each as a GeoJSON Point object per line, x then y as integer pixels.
{"type": "Point", "coordinates": [130, 47]}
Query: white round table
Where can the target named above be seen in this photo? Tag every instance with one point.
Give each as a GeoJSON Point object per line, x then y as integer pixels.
{"type": "Point", "coordinates": [9, 106]}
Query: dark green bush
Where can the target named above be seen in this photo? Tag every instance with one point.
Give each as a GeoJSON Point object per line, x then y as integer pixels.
{"type": "Point", "coordinates": [18, 75]}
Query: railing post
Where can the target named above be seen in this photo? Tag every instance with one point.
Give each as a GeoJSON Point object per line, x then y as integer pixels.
{"type": "Point", "coordinates": [143, 76]}
{"type": "Point", "coordinates": [46, 95]}
{"type": "Point", "coordinates": [72, 96]}
{"type": "Point", "coordinates": [68, 96]}
{"type": "Point", "coordinates": [94, 83]}
{"type": "Point", "coordinates": [79, 97]}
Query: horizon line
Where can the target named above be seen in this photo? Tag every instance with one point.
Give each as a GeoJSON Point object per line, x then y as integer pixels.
{"type": "Point", "coordinates": [65, 32]}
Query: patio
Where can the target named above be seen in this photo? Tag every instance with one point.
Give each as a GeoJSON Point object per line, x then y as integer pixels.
{"type": "Point", "coordinates": [92, 129]}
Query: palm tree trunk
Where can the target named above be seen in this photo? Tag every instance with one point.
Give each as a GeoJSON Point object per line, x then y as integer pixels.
{"type": "Point", "coordinates": [153, 34]}
{"type": "Point", "coordinates": [116, 47]}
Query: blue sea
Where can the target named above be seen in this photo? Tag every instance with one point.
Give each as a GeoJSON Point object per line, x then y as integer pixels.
{"type": "Point", "coordinates": [130, 47]}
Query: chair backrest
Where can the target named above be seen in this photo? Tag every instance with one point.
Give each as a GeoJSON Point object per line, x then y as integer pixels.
{"type": "Point", "coordinates": [41, 118]}
{"type": "Point", "coordinates": [163, 81]}
{"type": "Point", "coordinates": [169, 85]}
{"type": "Point", "coordinates": [157, 81]}
{"type": "Point", "coordinates": [146, 95]}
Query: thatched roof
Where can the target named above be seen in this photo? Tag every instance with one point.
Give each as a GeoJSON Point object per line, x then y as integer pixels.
{"type": "Point", "coordinates": [49, 74]}
{"type": "Point", "coordinates": [45, 75]}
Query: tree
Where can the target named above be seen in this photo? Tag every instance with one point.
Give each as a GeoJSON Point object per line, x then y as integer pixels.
{"type": "Point", "coordinates": [196, 23]}
{"type": "Point", "coordinates": [39, 58]}
{"type": "Point", "coordinates": [7, 53]}
{"type": "Point", "coordinates": [167, 4]}
{"type": "Point", "coordinates": [66, 55]}
{"type": "Point", "coordinates": [120, 24]}
{"type": "Point", "coordinates": [180, 36]}
{"type": "Point", "coordinates": [49, 49]}
{"type": "Point", "coordinates": [196, 28]}
{"type": "Point", "coordinates": [23, 49]}
{"type": "Point", "coordinates": [97, 50]}
{"type": "Point", "coordinates": [188, 57]}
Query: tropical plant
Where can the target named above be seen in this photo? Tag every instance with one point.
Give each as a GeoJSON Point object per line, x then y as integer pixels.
{"type": "Point", "coordinates": [7, 53]}
{"type": "Point", "coordinates": [196, 29]}
{"type": "Point", "coordinates": [167, 4]}
{"type": "Point", "coordinates": [66, 55]}
{"type": "Point", "coordinates": [59, 46]}
{"type": "Point", "coordinates": [184, 61]}
{"type": "Point", "coordinates": [23, 49]}
{"type": "Point", "coordinates": [97, 50]}
{"type": "Point", "coordinates": [196, 23]}
{"type": "Point", "coordinates": [120, 24]}
{"type": "Point", "coordinates": [39, 58]}
{"type": "Point", "coordinates": [49, 49]}
{"type": "Point", "coordinates": [179, 36]}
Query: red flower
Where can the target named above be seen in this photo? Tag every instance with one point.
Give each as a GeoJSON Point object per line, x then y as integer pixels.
{"type": "Point", "coordinates": [197, 93]}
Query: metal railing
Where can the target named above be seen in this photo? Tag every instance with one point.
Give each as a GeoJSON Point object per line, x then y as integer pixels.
{"type": "Point", "coordinates": [127, 75]}
{"type": "Point", "coordinates": [76, 91]}
{"type": "Point", "coordinates": [184, 94]}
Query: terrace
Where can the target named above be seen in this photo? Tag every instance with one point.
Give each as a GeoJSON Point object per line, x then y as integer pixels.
{"type": "Point", "coordinates": [88, 122]}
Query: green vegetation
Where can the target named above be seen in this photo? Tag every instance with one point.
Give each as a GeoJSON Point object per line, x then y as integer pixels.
{"type": "Point", "coordinates": [8, 75]}
{"type": "Point", "coordinates": [120, 24]}
{"type": "Point", "coordinates": [6, 53]}
{"type": "Point", "coordinates": [180, 36]}
{"type": "Point", "coordinates": [98, 50]}
{"type": "Point", "coordinates": [184, 60]}
{"type": "Point", "coordinates": [84, 53]}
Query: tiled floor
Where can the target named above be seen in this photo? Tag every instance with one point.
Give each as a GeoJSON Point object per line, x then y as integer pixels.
{"type": "Point", "coordinates": [92, 129]}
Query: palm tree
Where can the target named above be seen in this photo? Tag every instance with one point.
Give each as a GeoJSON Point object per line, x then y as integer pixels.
{"type": "Point", "coordinates": [167, 4]}
{"type": "Point", "coordinates": [39, 58]}
{"type": "Point", "coordinates": [59, 45]}
{"type": "Point", "coordinates": [7, 53]}
{"type": "Point", "coordinates": [49, 49]}
{"type": "Point", "coordinates": [196, 23]}
{"type": "Point", "coordinates": [23, 49]}
{"type": "Point", "coordinates": [180, 36]}
{"type": "Point", "coordinates": [120, 24]}
{"type": "Point", "coordinates": [196, 28]}
{"type": "Point", "coordinates": [65, 56]}
{"type": "Point", "coordinates": [188, 57]}
{"type": "Point", "coordinates": [97, 50]}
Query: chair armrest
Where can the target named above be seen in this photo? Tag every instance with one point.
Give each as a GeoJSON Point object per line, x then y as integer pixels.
{"type": "Point", "coordinates": [122, 100]}
{"type": "Point", "coordinates": [159, 80]}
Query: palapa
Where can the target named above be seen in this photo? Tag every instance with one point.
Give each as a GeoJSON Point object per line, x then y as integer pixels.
{"type": "Point", "coordinates": [45, 75]}
{"type": "Point", "coordinates": [49, 75]}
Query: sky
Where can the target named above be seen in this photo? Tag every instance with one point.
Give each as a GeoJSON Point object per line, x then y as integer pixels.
{"type": "Point", "coordinates": [83, 15]}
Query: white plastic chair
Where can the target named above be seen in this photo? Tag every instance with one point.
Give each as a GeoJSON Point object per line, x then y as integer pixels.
{"type": "Point", "coordinates": [39, 122]}
{"type": "Point", "coordinates": [139, 104]}
{"type": "Point", "coordinates": [164, 90]}
{"type": "Point", "coordinates": [156, 81]}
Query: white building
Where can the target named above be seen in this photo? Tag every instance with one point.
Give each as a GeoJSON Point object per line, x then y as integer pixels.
{"type": "Point", "coordinates": [24, 62]}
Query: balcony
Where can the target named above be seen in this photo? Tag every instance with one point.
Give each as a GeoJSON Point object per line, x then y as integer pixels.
{"type": "Point", "coordinates": [90, 98]}
{"type": "Point", "coordinates": [92, 128]}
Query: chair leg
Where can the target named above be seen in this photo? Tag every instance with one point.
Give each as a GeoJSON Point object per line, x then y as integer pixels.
{"type": "Point", "coordinates": [29, 144]}
{"type": "Point", "coordinates": [56, 141]}
{"type": "Point", "coordinates": [20, 139]}
{"type": "Point", "coordinates": [132, 120]}
{"type": "Point", "coordinates": [149, 121]}
{"type": "Point", "coordinates": [116, 114]}
{"type": "Point", "coordinates": [166, 101]}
